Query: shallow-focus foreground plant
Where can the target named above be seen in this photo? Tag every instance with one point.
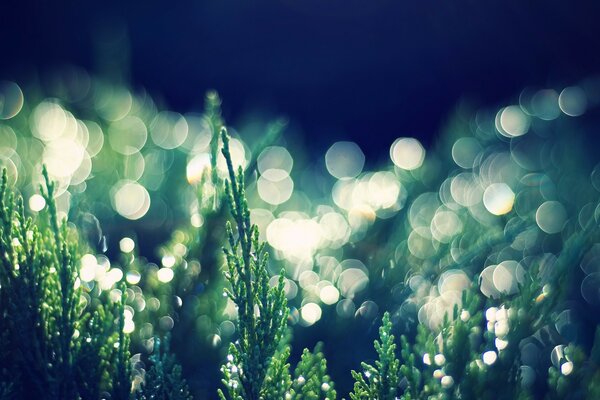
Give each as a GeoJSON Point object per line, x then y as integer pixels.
{"type": "Point", "coordinates": [483, 353]}
{"type": "Point", "coordinates": [379, 381]}
{"type": "Point", "coordinates": [311, 380]}
{"type": "Point", "coordinates": [56, 342]}
{"type": "Point", "coordinates": [262, 309]}
{"type": "Point", "coordinates": [257, 366]}
{"type": "Point", "coordinates": [163, 380]}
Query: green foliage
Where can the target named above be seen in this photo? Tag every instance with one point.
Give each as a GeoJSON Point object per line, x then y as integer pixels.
{"type": "Point", "coordinates": [163, 381]}
{"type": "Point", "coordinates": [379, 381]}
{"type": "Point", "coordinates": [257, 365]}
{"type": "Point", "coordinates": [56, 345]}
{"type": "Point", "coordinates": [478, 336]}
{"type": "Point", "coordinates": [311, 381]}
{"type": "Point", "coordinates": [213, 113]}
{"type": "Point", "coordinates": [278, 380]}
{"type": "Point", "coordinates": [262, 309]}
{"type": "Point", "coordinates": [478, 354]}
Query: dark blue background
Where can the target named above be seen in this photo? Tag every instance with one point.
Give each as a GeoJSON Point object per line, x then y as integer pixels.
{"type": "Point", "coordinates": [368, 70]}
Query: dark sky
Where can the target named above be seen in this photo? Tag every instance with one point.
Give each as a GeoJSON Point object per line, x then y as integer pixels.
{"type": "Point", "coordinates": [368, 70]}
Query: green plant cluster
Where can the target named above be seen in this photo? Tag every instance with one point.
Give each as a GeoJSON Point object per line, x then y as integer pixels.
{"type": "Point", "coordinates": [464, 360]}
{"type": "Point", "coordinates": [54, 345]}
{"type": "Point", "coordinates": [163, 380]}
{"type": "Point", "coordinates": [194, 296]}
{"type": "Point", "coordinates": [257, 365]}
{"type": "Point", "coordinates": [58, 341]}
{"type": "Point", "coordinates": [311, 380]}
{"type": "Point", "coordinates": [516, 338]}
{"type": "Point", "coordinates": [379, 381]}
{"type": "Point", "coordinates": [482, 349]}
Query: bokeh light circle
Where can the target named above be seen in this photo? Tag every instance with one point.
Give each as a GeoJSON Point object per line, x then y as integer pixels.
{"type": "Point", "coordinates": [498, 198]}
{"type": "Point", "coordinates": [511, 121]}
{"type": "Point", "coordinates": [169, 130]}
{"type": "Point", "coordinates": [551, 216]}
{"type": "Point", "coordinates": [130, 199]}
{"type": "Point", "coordinates": [572, 101]}
{"type": "Point", "coordinates": [11, 99]}
{"type": "Point", "coordinates": [344, 160]}
{"type": "Point", "coordinates": [127, 135]}
{"type": "Point", "coordinates": [407, 153]}
{"type": "Point", "coordinates": [465, 151]}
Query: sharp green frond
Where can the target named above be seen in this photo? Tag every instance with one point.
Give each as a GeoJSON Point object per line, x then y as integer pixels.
{"type": "Point", "coordinates": [380, 381]}
{"type": "Point", "coordinates": [56, 346]}
{"type": "Point", "coordinates": [163, 381]}
{"type": "Point", "coordinates": [253, 370]}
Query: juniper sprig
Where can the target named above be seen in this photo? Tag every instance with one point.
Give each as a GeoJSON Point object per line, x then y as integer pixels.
{"type": "Point", "coordinates": [311, 381]}
{"type": "Point", "coordinates": [262, 309]}
{"type": "Point", "coordinates": [56, 343]}
{"type": "Point", "coordinates": [163, 381]}
{"type": "Point", "coordinates": [379, 381]}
